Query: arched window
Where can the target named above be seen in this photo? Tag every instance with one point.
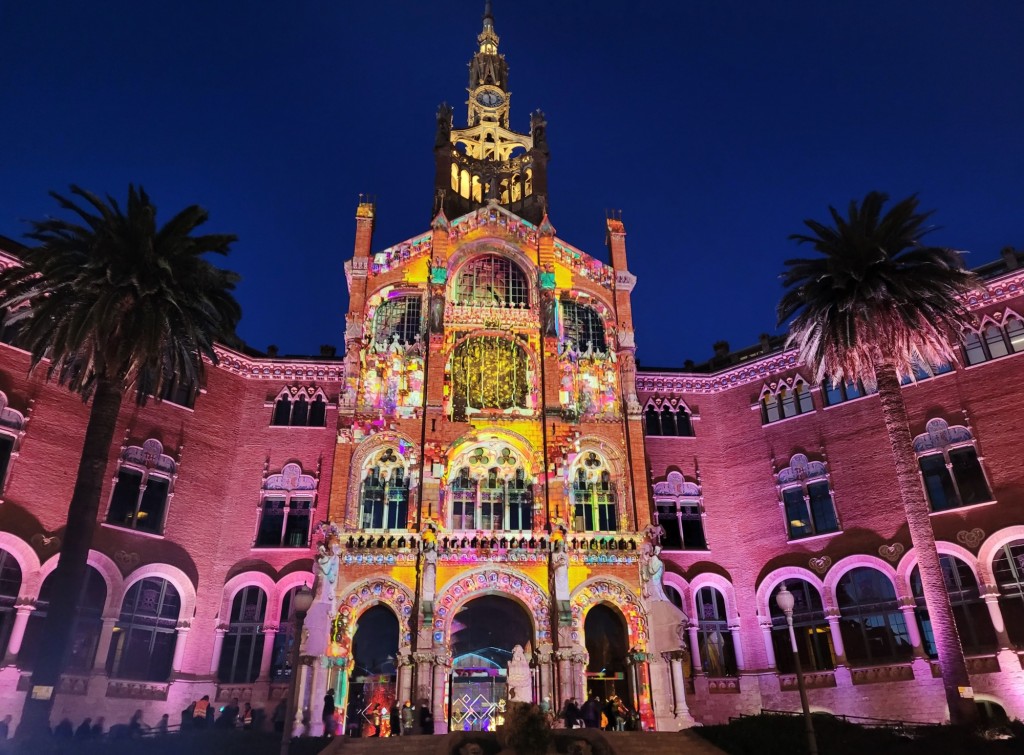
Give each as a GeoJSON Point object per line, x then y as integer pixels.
{"type": "Point", "coordinates": [995, 342]}
{"type": "Point", "coordinates": [142, 646]}
{"type": "Point", "coordinates": [583, 327]}
{"type": "Point", "coordinates": [652, 421]}
{"type": "Point", "coordinates": [143, 488]}
{"type": "Point", "coordinates": [300, 407]}
{"type": "Point", "coordinates": [384, 500]}
{"type": "Point", "coordinates": [488, 373]}
{"type": "Point", "coordinates": [12, 428]}
{"type": "Point", "coordinates": [493, 492]}
{"type": "Point", "coordinates": [593, 496]}
{"type": "Point", "coordinates": [786, 402]}
{"type": "Point", "coordinates": [973, 623]}
{"type": "Point", "coordinates": [813, 638]}
{"type": "Point", "coordinates": [242, 650]}
{"type": "Point", "coordinates": [491, 280]}
{"type": "Point", "coordinates": [281, 656]}
{"type": "Point", "coordinates": [10, 586]}
{"type": "Point", "coordinates": [1015, 334]}
{"type": "Point", "coordinates": [952, 473]}
{"type": "Point", "coordinates": [838, 393]}
{"type": "Point", "coordinates": [674, 597]}
{"type": "Point", "coordinates": [88, 623]}
{"type": "Point", "coordinates": [807, 498]}
{"type": "Point", "coordinates": [974, 350]}
{"type": "Point", "coordinates": [680, 513]}
{"type": "Point", "coordinates": [872, 624]}
{"type": "Point", "coordinates": [286, 509]}
{"type": "Point", "coordinates": [714, 640]}
{"type": "Point", "coordinates": [398, 320]}
{"type": "Point", "coordinates": [1008, 567]}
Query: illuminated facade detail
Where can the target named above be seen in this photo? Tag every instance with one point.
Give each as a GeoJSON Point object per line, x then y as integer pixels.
{"type": "Point", "coordinates": [144, 487]}
{"type": "Point", "coordinates": [679, 508]}
{"type": "Point", "coordinates": [786, 400]}
{"type": "Point", "coordinates": [287, 507]}
{"type": "Point", "coordinates": [594, 497]}
{"type": "Point", "coordinates": [384, 497]}
{"type": "Point", "coordinates": [952, 472]}
{"type": "Point", "coordinates": [806, 498]}
{"type": "Point", "coordinates": [300, 407]}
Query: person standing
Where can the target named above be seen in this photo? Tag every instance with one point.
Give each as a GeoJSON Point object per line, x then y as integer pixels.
{"type": "Point", "coordinates": [202, 712]}
{"type": "Point", "coordinates": [408, 719]}
{"type": "Point", "coordinates": [328, 715]}
{"type": "Point", "coordinates": [98, 728]}
{"type": "Point", "coordinates": [84, 730]}
{"type": "Point", "coordinates": [396, 719]}
{"type": "Point", "coordinates": [591, 712]}
{"type": "Point", "coordinates": [5, 728]}
{"type": "Point", "coordinates": [426, 718]}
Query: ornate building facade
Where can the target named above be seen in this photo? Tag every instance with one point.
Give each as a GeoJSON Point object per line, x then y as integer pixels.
{"type": "Point", "coordinates": [492, 503]}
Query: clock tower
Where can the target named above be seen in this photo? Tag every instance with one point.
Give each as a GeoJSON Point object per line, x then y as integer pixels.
{"type": "Point", "coordinates": [486, 159]}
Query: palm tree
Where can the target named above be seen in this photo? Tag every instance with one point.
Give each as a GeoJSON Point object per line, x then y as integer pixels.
{"type": "Point", "coordinates": [875, 305]}
{"type": "Point", "coordinates": [116, 306]}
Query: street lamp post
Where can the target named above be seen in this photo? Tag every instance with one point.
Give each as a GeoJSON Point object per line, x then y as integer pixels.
{"type": "Point", "coordinates": [786, 601]}
{"type": "Point", "coordinates": [301, 602]}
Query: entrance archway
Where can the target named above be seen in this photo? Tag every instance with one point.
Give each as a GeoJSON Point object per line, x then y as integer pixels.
{"type": "Point", "coordinates": [373, 686]}
{"type": "Point", "coordinates": [607, 643]}
{"type": "Point", "coordinates": [484, 634]}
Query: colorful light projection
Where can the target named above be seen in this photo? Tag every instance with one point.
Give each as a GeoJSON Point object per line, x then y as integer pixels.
{"type": "Point", "coordinates": [490, 374]}
{"type": "Point", "coordinates": [392, 361]}
{"type": "Point", "coordinates": [588, 383]}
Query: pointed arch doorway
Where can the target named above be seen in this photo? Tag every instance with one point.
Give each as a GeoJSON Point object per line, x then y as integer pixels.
{"type": "Point", "coordinates": [607, 643]}
{"type": "Point", "coordinates": [372, 682]}
{"type": "Point", "coordinates": [484, 634]}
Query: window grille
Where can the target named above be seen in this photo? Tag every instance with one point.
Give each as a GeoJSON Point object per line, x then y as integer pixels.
{"type": "Point", "coordinates": [491, 281]}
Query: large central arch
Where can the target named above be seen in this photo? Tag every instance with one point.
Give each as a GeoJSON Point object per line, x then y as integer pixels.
{"type": "Point", "coordinates": [508, 583]}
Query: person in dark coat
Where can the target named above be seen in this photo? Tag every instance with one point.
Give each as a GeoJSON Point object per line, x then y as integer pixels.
{"type": "Point", "coordinates": [228, 715]}
{"type": "Point", "coordinates": [591, 712]}
{"type": "Point", "coordinates": [64, 730]}
{"type": "Point", "coordinates": [571, 714]}
{"type": "Point", "coordinates": [84, 730]}
{"type": "Point", "coordinates": [426, 718]}
{"type": "Point", "coordinates": [98, 728]}
{"type": "Point", "coordinates": [328, 716]}
{"type": "Point", "coordinates": [396, 719]}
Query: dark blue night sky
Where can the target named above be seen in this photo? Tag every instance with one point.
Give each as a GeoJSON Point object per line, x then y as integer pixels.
{"type": "Point", "coordinates": [715, 127]}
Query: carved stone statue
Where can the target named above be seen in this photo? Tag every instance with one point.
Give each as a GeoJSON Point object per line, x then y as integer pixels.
{"type": "Point", "coordinates": [652, 571]}
{"type": "Point", "coordinates": [325, 583]}
{"type": "Point", "coordinates": [560, 570]}
{"type": "Point", "coordinates": [429, 565]}
{"type": "Point", "coordinates": [520, 682]}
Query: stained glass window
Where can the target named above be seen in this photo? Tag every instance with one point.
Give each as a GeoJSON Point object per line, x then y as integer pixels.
{"type": "Point", "coordinates": [594, 498]}
{"type": "Point", "coordinates": [872, 624]}
{"type": "Point", "coordinates": [143, 642]}
{"type": "Point", "coordinates": [491, 502]}
{"type": "Point", "coordinates": [583, 326]}
{"type": "Point", "coordinates": [491, 281]}
{"type": "Point", "coordinates": [813, 637]}
{"type": "Point", "coordinates": [398, 321]}
{"type": "Point", "coordinates": [488, 372]}
{"type": "Point", "coordinates": [385, 495]}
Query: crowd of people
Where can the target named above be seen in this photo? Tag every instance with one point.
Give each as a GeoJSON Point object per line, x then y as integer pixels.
{"type": "Point", "coordinates": [610, 715]}
{"type": "Point", "coordinates": [378, 719]}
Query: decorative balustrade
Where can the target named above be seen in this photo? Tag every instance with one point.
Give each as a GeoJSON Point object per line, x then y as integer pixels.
{"type": "Point", "coordinates": [879, 674]}
{"type": "Point", "coordinates": [399, 254]}
{"type": "Point", "coordinates": [724, 686]}
{"type": "Point", "coordinates": [491, 316]}
{"type": "Point", "coordinates": [70, 684]}
{"type": "Point", "coordinates": [812, 680]}
{"type": "Point", "coordinates": [981, 664]}
{"type": "Point", "coordinates": [137, 690]}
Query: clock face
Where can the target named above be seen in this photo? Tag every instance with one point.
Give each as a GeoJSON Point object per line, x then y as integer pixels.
{"type": "Point", "coordinates": [490, 98]}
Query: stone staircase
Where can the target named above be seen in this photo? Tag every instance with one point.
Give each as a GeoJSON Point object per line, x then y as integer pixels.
{"type": "Point", "coordinates": [622, 742]}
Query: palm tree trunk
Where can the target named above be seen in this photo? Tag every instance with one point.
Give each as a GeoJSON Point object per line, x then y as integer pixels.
{"type": "Point", "coordinates": [69, 576]}
{"type": "Point", "coordinates": [915, 507]}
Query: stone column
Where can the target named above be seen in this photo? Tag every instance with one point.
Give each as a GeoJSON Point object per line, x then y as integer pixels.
{"type": "Point", "coordinates": [317, 690]}
{"type": "Point", "coordinates": [405, 670]}
{"type": "Point", "coordinates": [424, 677]}
{"type": "Point", "coordinates": [832, 616]}
{"type": "Point", "coordinates": [218, 645]}
{"type": "Point", "coordinates": [21, 616]}
{"type": "Point", "coordinates": [907, 606]}
{"type": "Point", "coordinates": [737, 647]}
{"type": "Point", "coordinates": [179, 648]}
{"type": "Point", "coordinates": [442, 663]}
{"type": "Point", "coordinates": [99, 664]}
{"type": "Point", "coordinates": [301, 697]}
{"type": "Point", "coordinates": [267, 659]}
{"type": "Point", "coordinates": [991, 598]}
{"type": "Point", "coordinates": [769, 646]}
{"type": "Point", "coordinates": [544, 672]}
{"type": "Point", "coordinates": [565, 681]}
{"type": "Point", "coordinates": [691, 629]}
{"type": "Point", "coordinates": [678, 685]}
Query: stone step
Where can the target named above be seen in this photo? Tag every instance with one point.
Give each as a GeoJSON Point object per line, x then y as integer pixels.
{"type": "Point", "coordinates": [623, 743]}
{"type": "Point", "coordinates": [660, 743]}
